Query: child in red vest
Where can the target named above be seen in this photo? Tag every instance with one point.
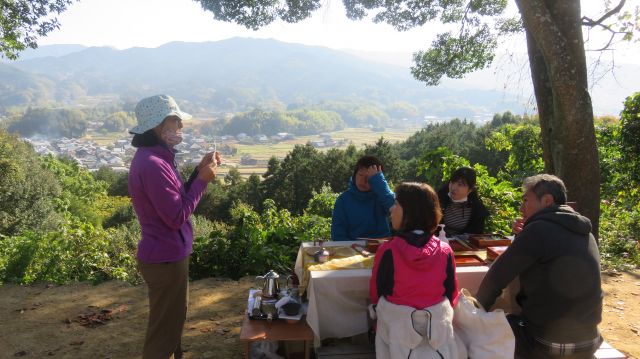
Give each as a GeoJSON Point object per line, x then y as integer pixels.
{"type": "Point", "coordinates": [414, 280]}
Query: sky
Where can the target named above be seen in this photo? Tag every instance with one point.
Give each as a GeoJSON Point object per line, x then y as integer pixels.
{"type": "Point", "coordinates": [124, 24]}
{"type": "Point", "coordinates": [150, 23]}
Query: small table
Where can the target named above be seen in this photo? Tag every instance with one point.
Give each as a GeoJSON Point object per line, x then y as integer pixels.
{"type": "Point", "coordinates": [278, 330]}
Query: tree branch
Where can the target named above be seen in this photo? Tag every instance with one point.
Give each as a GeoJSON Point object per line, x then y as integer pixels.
{"type": "Point", "coordinates": [589, 22]}
{"type": "Point", "coordinates": [613, 35]}
{"type": "Point", "coordinates": [462, 26]}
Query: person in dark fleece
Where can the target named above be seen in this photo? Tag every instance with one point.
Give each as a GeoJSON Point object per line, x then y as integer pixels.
{"type": "Point", "coordinates": [556, 259]}
{"type": "Point", "coordinates": [462, 209]}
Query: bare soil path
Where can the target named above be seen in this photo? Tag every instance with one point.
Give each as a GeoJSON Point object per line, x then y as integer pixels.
{"type": "Point", "coordinates": [44, 321]}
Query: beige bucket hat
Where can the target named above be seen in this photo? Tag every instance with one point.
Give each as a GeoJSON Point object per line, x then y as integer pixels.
{"type": "Point", "coordinates": [151, 111]}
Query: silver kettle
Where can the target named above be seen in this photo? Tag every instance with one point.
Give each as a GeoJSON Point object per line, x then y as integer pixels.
{"type": "Point", "coordinates": [270, 284]}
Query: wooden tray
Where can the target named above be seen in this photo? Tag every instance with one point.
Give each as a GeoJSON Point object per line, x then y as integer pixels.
{"type": "Point", "coordinates": [468, 260]}
{"type": "Point", "coordinates": [457, 246]}
{"type": "Point", "coordinates": [495, 252]}
{"type": "Point", "coordinates": [488, 240]}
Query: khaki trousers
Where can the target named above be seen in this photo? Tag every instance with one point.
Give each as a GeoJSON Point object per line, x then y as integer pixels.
{"type": "Point", "coordinates": [168, 285]}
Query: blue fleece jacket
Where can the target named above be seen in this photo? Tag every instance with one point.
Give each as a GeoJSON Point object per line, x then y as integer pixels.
{"type": "Point", "coordinates": [363, 214]}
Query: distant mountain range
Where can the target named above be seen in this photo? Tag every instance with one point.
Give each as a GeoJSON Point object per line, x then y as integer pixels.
{"type": "Point", "coordinates": [610, 83]}
{"type": "Point", "coordinates": [237, 74]}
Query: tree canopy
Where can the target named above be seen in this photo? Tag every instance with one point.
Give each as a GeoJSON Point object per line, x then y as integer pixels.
{"type": "Point", "coordinates": [23, 21]}
{"type": "Point", "coordinates": [556, 55]}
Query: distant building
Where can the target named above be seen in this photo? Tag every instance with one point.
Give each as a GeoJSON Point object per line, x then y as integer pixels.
{"type": "Point", "coordinates": [121, 143]}
{"type": "Point", "coordinates": [261, 138]}
{"type": "Point", "coordinates": [248, 161]}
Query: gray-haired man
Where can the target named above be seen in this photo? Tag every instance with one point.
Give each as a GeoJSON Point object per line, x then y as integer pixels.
{"type": "Point", "coordinates": [556, 258]}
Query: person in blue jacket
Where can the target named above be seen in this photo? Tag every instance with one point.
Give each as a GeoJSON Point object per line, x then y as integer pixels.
{"type": "Point", "coordinates": [362, 211]}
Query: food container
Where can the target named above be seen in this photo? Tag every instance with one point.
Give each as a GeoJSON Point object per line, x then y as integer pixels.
{"type": "Point", "coordinates": [372, 244]}
{"type": "Point", "coordinates": [460, 246]}
{"type": "Point", "coordinates": [495, 252]}
{"type": "Point", "coordinates": [255, 307]}
{"type": "Point", "coordinates": [321, 256]}
{"type": "Point", "coordinates": [468, 260]}
{"type": "Point", "coordinates": [291, 308]}
{"type": "Point", "coordinates": [268, 308]}
{"type": "Point", "coordinates": [488, 240]}
{"type": "Point", "coordinates": [360, 250]}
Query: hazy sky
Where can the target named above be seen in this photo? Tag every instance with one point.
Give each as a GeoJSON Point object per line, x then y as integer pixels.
{"type": "Point", "coordinates": [151, 23]}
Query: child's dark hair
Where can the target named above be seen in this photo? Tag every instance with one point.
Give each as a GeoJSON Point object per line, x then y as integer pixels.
{"type": "Point", "coordinates": [420, 207]}
{"type": "Point", "coordinates": [466, 174]}
{"type": "Point", "coordinates": [366, 162]}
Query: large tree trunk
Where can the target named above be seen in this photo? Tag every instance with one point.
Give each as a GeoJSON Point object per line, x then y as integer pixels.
{"type": "Point", "coordinates": [544, 98]}
{"type": "Point", "coordinates": [559, 72]}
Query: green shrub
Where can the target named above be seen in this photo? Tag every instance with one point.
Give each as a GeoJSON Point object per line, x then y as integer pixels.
{"type": "Point", "coordinates": [121, 215]}
{"type": "Point", "coordinates": [28, 193]}
{"type": "Point", "coordinates": [630, 130]}
{"type": "Point", "coordinates": [620, 230]}
{"type": "Point", "coordinates": [500, 197]}
{"type": "Point", "coordinates": [77, 252]}
{"type": "Point", "coordinates": [321, 204]}
{"type": "Point", "coordinates": [255, 242]}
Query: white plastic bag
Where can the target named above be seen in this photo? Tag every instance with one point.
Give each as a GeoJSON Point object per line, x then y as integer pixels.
{"type": "Point", "coordinates": [265, 349]}
{"type": "Point", "coordinates": [404, 332]}
{"type": "Point", "coordinates": [487, 335]}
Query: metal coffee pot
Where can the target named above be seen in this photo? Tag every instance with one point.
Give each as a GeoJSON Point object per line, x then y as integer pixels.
{"type": "Point", "coordinates": [270, 284]}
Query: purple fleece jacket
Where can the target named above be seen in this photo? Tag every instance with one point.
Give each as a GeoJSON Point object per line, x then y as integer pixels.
{"type": "Point", "coordinates": [162, 205]}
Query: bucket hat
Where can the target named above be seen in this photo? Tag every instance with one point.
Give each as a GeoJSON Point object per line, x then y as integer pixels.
{"type": "Point", "coordinates": [151, 111]}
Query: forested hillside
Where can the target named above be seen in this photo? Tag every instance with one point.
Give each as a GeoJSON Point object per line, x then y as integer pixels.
{"type": "Point", "coordinates": [233, 75]}
{"type": "Point", "coordinates": [60, 223]}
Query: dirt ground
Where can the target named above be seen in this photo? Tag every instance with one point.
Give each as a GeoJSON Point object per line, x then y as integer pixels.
{"type": "Point", "coordinates": [43, 321]}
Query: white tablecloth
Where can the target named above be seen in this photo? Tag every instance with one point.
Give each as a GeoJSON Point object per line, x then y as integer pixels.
{"type": "Point", "coordinates": [338, 298]}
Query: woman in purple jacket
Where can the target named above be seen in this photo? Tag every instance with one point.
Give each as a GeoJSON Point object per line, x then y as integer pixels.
{"type": "Point", "coordinates": [163, 205]}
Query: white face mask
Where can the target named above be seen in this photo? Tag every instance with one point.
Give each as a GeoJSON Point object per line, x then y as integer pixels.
{"type": "Point", "coordinates": [171, 137]}
{"type": "Point", "coordinates": [461, 200]}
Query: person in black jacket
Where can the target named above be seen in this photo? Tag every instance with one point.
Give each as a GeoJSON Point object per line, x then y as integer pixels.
{"type": "Point", "coordinates": [556, 259]}
{"type": "Point", "coordinates": [462, 209]}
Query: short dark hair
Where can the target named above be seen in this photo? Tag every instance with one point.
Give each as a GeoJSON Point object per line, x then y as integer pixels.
{"type": "Point", "coordinates": [466, 174]}
{"type": "Point", "coordinates": [366, 162]}
{"type": "Point", "coordinates": [547, 184]}
{"type": "Point", "coordinates": [420, 207]}
{"type": "Point", "coordinates": [146, 139]}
